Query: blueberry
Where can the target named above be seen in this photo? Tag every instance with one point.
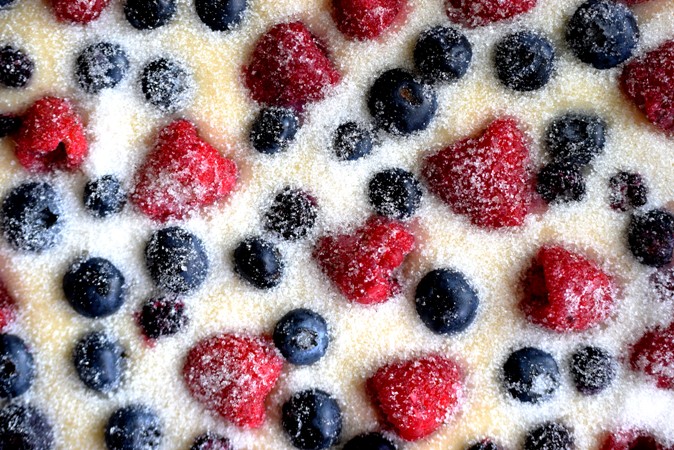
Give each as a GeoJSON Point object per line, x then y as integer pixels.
{"type": "Point", "coordinates": [274, 129]}
{"type": "Point", "coordinates": [162, 317]}
{"type": "Point", "coordinates": [524, 61]}
{"type": "Point", "coordinates": [133, 427]}
{"type": "Point", "coordinates": [575, 138]}
{"type": "Point", "coordinates": [394, 193]}
{"type": "Point", "coordinates": [176, 260]}
{"type": "Point", "coordinates": [370, 441]}
{"type": "Point", "coordinates": [9, 124]}
{"type": "Point", "coordinates": [484, 445]}
{"type": "Point", "coordinates": [292, 214]}
{"type": "Point", "coordinates": [603, 33]}
{"type": "Point", "coordinates": [259, 262]}
{"type": "Point", "coordinates": [17, 368]}
{"type": "Point", "coordinates": [220, 15]}
{"type": "Point", "coordinates": [312, 420]}
{"type": "Point", "coordinates": [549, 436]}
{"type": "Point", "coordinates": [531, 375]}
{"type": "Point", "coordinates": [352, 141]}
{"type": "Point", "coordinates": [211, 441]}
{"type": "Point", "coordinates": [100, 66]}
{"type": "Point", "coordinates": [446, 302]}
{"type": "Point", "coordinates": [6, 4]}
{"type": "Point", "coordinates": [593, 369]}
{"type": "Point", "coordinates": [301, 336]}
{"type": "Point", "coordinates": [16, 68]}
{"type": "Point", "coordinates": [24, 427]}
{"type": "Point", "coordinates": [442, 54]}
{"type": "Point", "coordinates": [627, 191]}
{"type": "Point", "coordinates": [104, 196]}
{"type": "Point", "coordinates": [165, 84]}
{"type": "Point", "coordinates": [650, 237]}
{"type": "Point", "coordinates": [94, 287]}
{"type": "Point", "coordinates": [100, 362]}
{"type": "Point", "coordinates": [401, 104]}
{"type": "Point", "coordinates": [31, 217]}
{"type": "Point", "coordinates": [560, 183]}
{"type": "Point", "coordinates": [149, 14]}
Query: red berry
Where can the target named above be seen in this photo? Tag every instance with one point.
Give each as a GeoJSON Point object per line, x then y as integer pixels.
{"type": "Point", "coordinates": [647, 82]}
{"type": "Point", "coordinates": [362, 264]}
{"type": "Point", "coordinates": [653, 355]}
{"type": "Point", "coordinates": [564, 291]}
{"type": "Point", "coordinates": [7, 308]}
{"type": "Point", "coordinates": [417, 396]}
{"type": "Point", "coordinates": [365, 19]}
{"type": "Point", "coordinates": [475, 13]}
{"type": "Point", "coordinates": [78, 11]}
{"type": "Point", "coordinates": [631, 440]}
{"type": "Point", "coordinates": [289, 67]}
{"type": "Point", "coordinates": [182, 174]}
{"type": "Point", "coordinates": [485, 178]}
{"type": "Point", "coordinates": [51, 137]}
{"type": "Point", "coordinates": [232, 375]}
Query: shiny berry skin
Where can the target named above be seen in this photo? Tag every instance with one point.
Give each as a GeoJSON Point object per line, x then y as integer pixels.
{"type": "Point", "coordinates": [627, 191]}
{"type": "Point", "coordinates": [9, 124]}
{"type": "Point", "coordinates": [101, 66]}
{"type": "Point", "coordinates": [259, 262]}
{"type": "Point", "coordinates": [166, 84]}
{"type": "Point", "coordinates": [592, 369]}
{"type": "Point", "coordinates": [32, 217]}
{"type": "Point", "coordinates": [292, 214]}
{"type": "Point", "coordinates": [211, 441]}
{"type": "Point", "coordinates": [301, 336]}
{"type": "Point", "coordinates": [104, 197]}
{"type": "Point", "coordinates": [94, 287]}
{"type": "Point", "coordinates": [531, 375]}
{"type": "Point", "coordinates": [100, 362]}
{"type": "Point", "coordinates": [176, 260]}
{"type": "Point", "coordinates": [650, 237]}
{"type": "Point", "coordinates": [484, 445]}
{"type": "Point", "coordinates": [560, 183]}
{"type": "Point", "coordinates": [366, 19]}
{"type": "Point", "coordinates": [524, 61]}
{"type": "Point", "coordinates": [549, 436]}
{"type": "Point", "coordinates": [352, 141]}
{"type": "Point", "coordinates": [475, 13]}
{"type": "Point", "coordinates": [78, 12]}
{"type": "Point", "coordinates": [134, 427]}
{"type": "Point", "coordinates": [274, 130]}
{"type": "Point", "coordinates": [221, 15]}
{"type": "Point", "coordinates": [442, 54]}
{"type": "Point", "coordinates": [312, 420]}
{"type": "Point", "coordinates": [162, 317]}
{"type": "Point", "coordinates": [17, 368]}
{"type": "Point", "coordinates": [602, 33]}
{"type": "Point", "coordinates": [149, 14]}
{"type": "Point", "coordinates": [24, 427]}
{"type": "Point", "coordinates": [446, 302]}
{"type": "Point", "coordinates": [394, 193]}
{"type": "Point", "coordinates": [575, 138]}
{"type": "Point", "coordinates": [370, 441]}
{"type": "Point", "coordinates": [16, 67]}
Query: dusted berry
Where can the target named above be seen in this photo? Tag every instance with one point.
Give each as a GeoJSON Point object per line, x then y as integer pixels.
{"type": "Point", "coordinates": [593, 369]}
{"type": "Point", "coordinates": [221, 15]}
{"type": "Point", "coordinates": [524, 61]}
{"type": "Point", "coordinates": [484, 445]}
{"type": "Point", "coordinates": [301, 336]}
{"type": "Point", "coordinates": [352, 141]}
{"type": "Point", "coordinates": [575, 138]}
{"type": "Point", "coordinates": [101, 66]}
{"type": "Point", "coordinates": [77, 11]}
{"type": "Point", "coordinates": [9, 124]}
{"type": "Point", "coordinates": [104, 196]}
{"type": "Point", "coordinates": [365, 19]}
{"type": "Point", "coordinates": [165, 84]}
{"type": "Point", "coordinates": [560, 183]}
{"type": "Point", "coordinates": [394, 193]}
{"type": "Point", "coordinates": [94, 287]}
{"type": "Point", "coordinates": [16, 68]}
{"type": "Point", "coordinates": [312, 420]}
{"type": "Point", "coordinates": [653, 356]}
{"type": "Point", "coordinates": [631, 440]}
{"type": "Point", "coordinates": [149, 14]}
{"type": "Point", "coordinates": [531, 375]}
{"type": "Point", "coordinates": [274, 130]}
{"type": "Point", "coordinates": [134, 427]}
{"type": "Point", "coordinates": [162, 317]}
{"type": "Point", "coordinates": [370, 441]}
{"type": "Point", "coordinates": [627, 191]}
{"type": "Point", "coordinates": [17, 369]}
{"type": "Point", "coordinates": [24, 427]}
{"type": "Point", "coordinates": [292, 214]}
{"type": "Point", "coordinates": [259, 262]}
{"type": "Point", "coordinates": [211, 441]}
{"type": "Point", "coordinates": [100, 362]}
{"type": "Point", "coordinates": [7, 307]}
{"type": "Point", "coordinates": [442, 54]}
{"type": "Point", "coordinates": [475, 13]}
{"type": "Point", "coordinates": [549, 436]}
{"type": "Point", "coordinates": [650, 237]}
{"type": "Point", "coordinates": [6, 4]}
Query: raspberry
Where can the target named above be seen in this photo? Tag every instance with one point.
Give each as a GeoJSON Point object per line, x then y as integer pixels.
{"type": "Point", "coordinates": [475, 13]}
{"type": "Point", "coordinates": [646, 81]}
{"type": "Point", "coordinates": [485, 178]}
{"type": "Point", "coordinates": [232, 375]}
{"type": "Point", "coordinates": [289, 67]}
{"type": "Point", "coordinates": [51, 137]}
{"type": "Point", "coordinates": [417, 396]}
{"type": "Point", "coordinates": [653, 355]}
{"type": "Point", "coordinates": [631, 440]}
{"type": "Point", "coordinates": [564, 291]}
{"type": "Point", "coordinates": [78, 11]}
{"type": "Point", "coordinates": [7, 308]}
{"type": "Point", "coordinates": [365, 19]}
{"type": "Point", "coordinates": [182, 174]}
{"type": "Point", "coordinates": [362, 264]}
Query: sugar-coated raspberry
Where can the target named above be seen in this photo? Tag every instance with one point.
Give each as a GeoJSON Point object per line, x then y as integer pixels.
{"type": "Point", "coordinates": [475, 13]}
{"type": "Point", "coordinates": [653, 355]}
{"type": "Point", "coordinates": [365, 19]}
{"type": "Point", "coordinates": [78, 11]}
{"type": "Point", "coordinates": [7, 307]}
{"type": "Point", "coordinates": [631, 440]}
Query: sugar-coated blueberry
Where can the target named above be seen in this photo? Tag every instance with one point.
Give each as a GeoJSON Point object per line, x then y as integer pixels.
{"type": "Point", "coordinates": [101, 66]}
{"type": "Point", "coordinates": [165, 84]}
{"type": "Point", "coordinates": [9, 124]}
{"type": "Point", "coordinates": [531, 375]}
{"type": "Point", "coordinates": [100, 362]}
{"type": "Point", "coordinates": [94, 287]}
{"type": "Point", "coordinates": [650, 237]}
{"type": "Point", "coordinates": [17, 369]}
{"type": "Point", "coordinates": [549, 436]}
{"type": "Point", "coordinates": [134, 427]}
{"type": "Point", "coordinates": [259, 262]}
{"type": "Point", "coordinates": [352, 141]}
{"type": "Point", "coordinates": [149, 14]}
{"type": "Point", "coordinates": [485, 444]}
{"type": "Point", "coordinates": [312, 420]}
{"type": "Point", "coordinates": [220, 15]}
{"type": "Point", "coordinates": [292, 214]}
{"type": "Point", "coordinates": [370, 441]}
{"type": "Point", "coordinates": [274, 129]}
{"type": "Point", "coordinates": [16, 67]}
{"type": "Point", "coordinates": [394, 193]}
{"type": "Point", "coordinates": [560, 183]}
{"type": "Point", "coordinates": [162, 316]}
{"type": "Point", "coordinates": [104, 197]}
{"type": "Point", "coordinates": [24, 427]}
{"type": "Point", "coordinates": [442, 53]}
{"type": "Point", "coordinates": [301, 336]}
{"type": "Point", "coordinates": [627, 191]}
{"type": "Point", "coordinates": [524, 61]}
{"type": "Point", "coordinates": [592, 369]}
{"type": "Point", "coordinates": [575, 138]}
{"type": "Point", "coordinates": [211, 441]}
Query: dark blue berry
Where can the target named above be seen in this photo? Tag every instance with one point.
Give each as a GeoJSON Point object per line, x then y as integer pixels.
{"type": "Point", "coordinates": [593, 369]}
{"type": "Point", "coordinates": [104, 196]}
{"type": "Point", "coordinates": [352, 141]}
{"type": "Point", "coordinates": [524, 61]}
{"type": "Point", "coordinates": [165, 84]}
{"type": "Point", "coordinates": [292, 214]}
{"type": "Point", "coordinates": [575, 138]}
{"type": "Point", "coordinates": [301, 336]}
{"type": "Point", "coordinates": [220, 15]}
{"type": "Point", "coordinates": [6, 4]}
{"type": "Point", "coordinates": [531, 375]}
{"type": "Point", "coordinates": [31, 217]}
{"type": "Point", "coordinates": [627, 191]}
{"type": "Point", "coordinates": [549, 436]}
{"type": "Point", "coordinates": [650, 237]}
{"type": "Point", "coordinates": [9, 124]}
{"type": "Point", "coordinates": [133, 427]}
{"type": "Point", "coordinates": [211, 441]}
{"type": "Point", "coordinates": [149, 14]}
{"type": "Point", "coordinates": [94, 287]}
{"type": "Point", "coordinates": [442, 54]}
{"type": "Point", "coordinates": [312, 420]}
{"type": "Point", "coordinates": [16, 67]}
{"type": "Point", "coordinates": [401, 104]}
{"type": "Point", "coordinates": [17, 368]}
{"type": "Point", "coordinates": [274, 129]}
{"type": "Point", "coordinates": [100, 362]}
{"type": "Point", "coordinates": [560, 183]}
{"type": "Point", "coordinates": [370, 441]}
{"type": "Point", "coordinates": [484, 445]}
{"type": "Point", "coordinates": [259, 262]}
{"type": "Point", "coordinates": [176, 260]}
{"type": "Point", "coordinates": [603, 33]}
{"type": "Point", "coordinates": [446, 302]}
{"type": "Point", "coordinates": [24, 427]}
{"type": "Point", "coordinates": [100, 66]}
{"type": "Point", "coordinates": [394, 193]}
{"type": "Point", "coordinates": [162, 317]}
